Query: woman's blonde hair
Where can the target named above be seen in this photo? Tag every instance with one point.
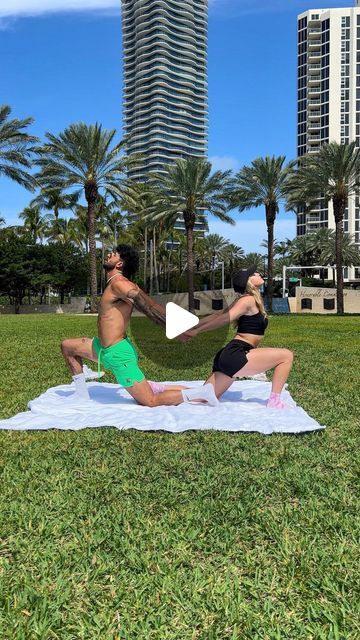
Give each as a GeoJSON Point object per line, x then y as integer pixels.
{"type": "Point", "coordinates": [255, 293]}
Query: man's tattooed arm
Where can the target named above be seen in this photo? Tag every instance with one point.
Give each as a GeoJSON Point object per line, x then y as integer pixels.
{"type": "Point", "coordinates": [146, 305]}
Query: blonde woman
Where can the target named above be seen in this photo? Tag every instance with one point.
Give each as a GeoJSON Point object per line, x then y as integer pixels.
{"type": "Point", "coordinates": [241, 356]}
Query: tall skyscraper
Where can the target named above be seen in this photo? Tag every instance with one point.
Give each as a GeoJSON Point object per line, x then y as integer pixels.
{"type": "Point", "coordinates": [165, 80]}
{"type": "Point", "coordinates": [329, 100]}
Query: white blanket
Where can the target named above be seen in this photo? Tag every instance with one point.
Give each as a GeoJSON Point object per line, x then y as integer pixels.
{"type": "Point", "coordinates": [242, 408]}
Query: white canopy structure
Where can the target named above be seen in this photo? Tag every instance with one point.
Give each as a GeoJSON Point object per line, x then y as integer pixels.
{"type": "Point", "coordinates": [298, 268]}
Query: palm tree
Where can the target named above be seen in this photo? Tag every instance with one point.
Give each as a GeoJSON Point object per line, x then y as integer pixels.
{"type": "Point", "coordinates": [301, 253]}
{"type": "Point", "coordinates": [54, 200]}
{"type": "Point", "coordinates": [282, 248]}
{"type": "Point", "coordinates": [2, 221]}
{"type": "Point", "coordinates": [332, 174]}
{"type": "Point", "coordinates": [188, 187]}
{"type": "Point", "coordinates": [234, 257]}
{"type": "Point", "coordinates": [322, 244]}
{"type": "Point", "coordinates": [253, 259]}
{"type": "Point", "coordinates": [16, 149]}
{"type": "Point", "coordinates": [138, 200]}
{"type": "Point", "coordinates": [350, 251]}
{"type": "Point", "coordinates": [214, 247]}
{"type": "Point", "coordinates": [34, 224]}
{"type": "Point", "coordinates": [80, 227]}
{"type": "Point", "coordinates": [109, 222]}
{"type": "Point", "coordinates": [113, 222]}
{"type": "Point", "coordinates": [67, 232]}
{"type": "Point", "coordinates": [263, 183]}
{"type": "Point", "coordinates": [82, 157]}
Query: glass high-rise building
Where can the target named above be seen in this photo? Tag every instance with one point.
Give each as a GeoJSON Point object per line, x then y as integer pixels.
{"type": "Point", "coordinates": [329, 100]}
{"type": "Point", "coordinates": [165, 80]}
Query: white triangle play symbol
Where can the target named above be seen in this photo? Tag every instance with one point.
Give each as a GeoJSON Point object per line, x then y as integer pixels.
{"type": "Point", "coordinates": [178, 320]}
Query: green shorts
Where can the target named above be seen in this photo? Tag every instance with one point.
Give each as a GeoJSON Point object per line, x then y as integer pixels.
{"type": "Point", "coordinates": [122, 359]}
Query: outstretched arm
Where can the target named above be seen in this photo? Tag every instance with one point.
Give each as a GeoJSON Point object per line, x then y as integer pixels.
{"type": "Point", "coordinates": [142, 302]}
{"type": "Point", "coordinates": [217, 320]}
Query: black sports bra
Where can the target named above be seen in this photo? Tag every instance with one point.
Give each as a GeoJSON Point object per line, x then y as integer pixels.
{"type": "Point", "coordinates": [255, 324]}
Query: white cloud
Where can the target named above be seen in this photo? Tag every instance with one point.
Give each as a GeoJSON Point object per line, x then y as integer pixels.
{"type": "Point", "coordinates": [223, 163]}
{"type": "Point", "coordinates": [17, 8]}
{"type": "Point", "coordinates": [249, 234]}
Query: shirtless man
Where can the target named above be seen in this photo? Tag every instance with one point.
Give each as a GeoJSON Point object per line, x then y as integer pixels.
{"type": "Point", "coordinates": [114, 350]}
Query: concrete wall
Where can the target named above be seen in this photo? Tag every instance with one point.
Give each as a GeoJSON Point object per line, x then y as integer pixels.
{"type": "Point", "coordinates": [76, 306]}
{"type": "Point", "coordinates": [316, 295]}
{"type": "Point", "coordinates": [322, 300]}
{"type": "Point", "coordinates": [205, 298]}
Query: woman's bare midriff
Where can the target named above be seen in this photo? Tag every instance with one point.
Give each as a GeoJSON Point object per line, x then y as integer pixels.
{"type": "Point", "coordinates": [250, 338]}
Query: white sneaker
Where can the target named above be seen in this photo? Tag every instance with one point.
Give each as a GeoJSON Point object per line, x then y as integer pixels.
{"type": "Point", "coordinates": [90, 374]}
{"type": "Point", "coordinates": [201, 395]}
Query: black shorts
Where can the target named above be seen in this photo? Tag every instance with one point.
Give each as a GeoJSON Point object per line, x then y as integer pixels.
{"type": "Point", "coordinates": [232, 358]}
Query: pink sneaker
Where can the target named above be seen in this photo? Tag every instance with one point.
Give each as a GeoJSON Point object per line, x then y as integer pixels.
{"type": "Point", "coordinates": [157, 387]}
{"type": "Point", "coordinates": [274, 402]}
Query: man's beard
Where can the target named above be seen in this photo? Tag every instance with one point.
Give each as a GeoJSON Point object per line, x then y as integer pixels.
{"type": "Point", "coordinates": [107, 266]}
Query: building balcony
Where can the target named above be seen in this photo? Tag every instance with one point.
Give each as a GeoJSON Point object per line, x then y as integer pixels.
{"type": "Point", "coordinates": [314, 90]}
{"type": "Point", "coordinates": [314, 67]}
{"type": "Point", "coordinates": [310, 228]}
{"type": "Point", "coordinates": [314, 42]}
{"type": "Point", "coordinates": [314, 126]}
{"type": "Point", "coordinates": [314, 102]}
{"type": "Point", "coordinates": [314, 114]}
{"type": "Point", "coordinates": [314, 31]}
{"type": "Point", "coordinates": [314, 55]}
{"type": "Point", "coordinates": [313, 149]}
{"type": "Point", "coordinates": [314, 138]}
{"type": "Point", "coordinates": [316, 78]}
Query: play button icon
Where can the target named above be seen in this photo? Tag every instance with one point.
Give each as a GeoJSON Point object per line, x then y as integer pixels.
{"type": "Point", "coordinates": [178, 320]}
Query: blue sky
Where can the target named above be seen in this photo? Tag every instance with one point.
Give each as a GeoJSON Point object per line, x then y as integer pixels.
{"type": "Point", "coordinates": [61, 63]}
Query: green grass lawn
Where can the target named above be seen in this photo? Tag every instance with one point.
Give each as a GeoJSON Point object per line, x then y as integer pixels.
{"type": "Point", "coordinates": [110, 535]}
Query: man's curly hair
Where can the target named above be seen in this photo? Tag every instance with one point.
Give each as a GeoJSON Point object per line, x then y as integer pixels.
{"type": "Point", "coordinates": [130, 257]}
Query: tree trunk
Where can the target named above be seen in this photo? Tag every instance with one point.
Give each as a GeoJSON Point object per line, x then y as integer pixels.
{"type": "Point", "coordinates": [339, 211]}
{"type": "Point", "coordinates": [17, 303]}
{"type": "Point", "coordinates": [155, 263]}
{"type": "Point", "coordinates": [91, 194]}
{"type": "Point", "coordinates": [145, 257]}
{"type": "Point", "coordinates": [271, 210]}
{"type": "Point", "coordinates": [151, 268]}
{"type": "Point", "coordinates": [102, 262]}
{"type": "Point", "coordinates": [169, 269]}
{"type": "Point", "coordinates": [56, 222]}
{"type": "Point", "coordinates": [189, 218]}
